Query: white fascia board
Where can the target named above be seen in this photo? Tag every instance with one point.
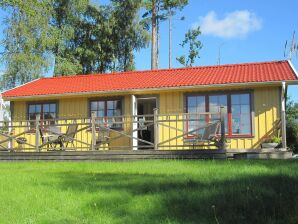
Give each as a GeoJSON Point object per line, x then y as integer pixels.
{"type": "Point", "coordinates": [293, 68]}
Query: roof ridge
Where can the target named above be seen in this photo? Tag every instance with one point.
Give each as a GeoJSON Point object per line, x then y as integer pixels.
{"type": "Point", "coordinates": [166, 69]}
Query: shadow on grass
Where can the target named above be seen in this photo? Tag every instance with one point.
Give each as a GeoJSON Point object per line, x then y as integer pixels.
{"type": "Point", "coordinates": [148, 198]}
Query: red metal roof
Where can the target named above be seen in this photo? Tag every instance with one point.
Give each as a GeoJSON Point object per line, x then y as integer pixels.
{"type": "Point", "coordinates": [156, 79]}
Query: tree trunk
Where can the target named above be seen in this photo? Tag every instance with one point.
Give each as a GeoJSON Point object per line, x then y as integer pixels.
{"type": "Point", "coordinates": [154, 46]}
{"type": "Point", "coordinates": [170, 38]}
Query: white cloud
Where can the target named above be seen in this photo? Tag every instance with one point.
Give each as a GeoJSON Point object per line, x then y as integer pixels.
{"type": "Point", "coordinates": [234, 24]}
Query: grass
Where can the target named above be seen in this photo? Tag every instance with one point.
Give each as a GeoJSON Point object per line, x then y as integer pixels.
{"type": "Point", "coordinates": [149, 192]}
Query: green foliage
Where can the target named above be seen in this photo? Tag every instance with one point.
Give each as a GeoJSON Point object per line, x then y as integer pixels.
{"type": "Point", "coordinates": [292, 124]}
{"type": "Point", "coordinates": [149, 192]}
{"type": "Point", "coordinates": [27, 40]}
{"type": "Point", "coordinates": [292, 135]}
{"type": "Point", "coordinates": [276, 139]}
{"type": "Point", "coordinates": [64, 17]}
{"type": "Point", "coordinates": [165, 9]}
{"type": "Point", "coordinates": [273, 139]}
{"type": "Point", "coordinates": [128, 33]}
{"type": "Point", "coordinates": [291, 110]}
{"type": "Point", "coordinates": [66, 66]}
{"type": "Point", "coordinates": [193, 44]}
{"type": "Point", "coordinates": [73, 36]}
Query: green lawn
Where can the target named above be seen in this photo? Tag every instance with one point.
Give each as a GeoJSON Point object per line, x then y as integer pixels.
{"type": "Point", "coordinates": [149, 192]}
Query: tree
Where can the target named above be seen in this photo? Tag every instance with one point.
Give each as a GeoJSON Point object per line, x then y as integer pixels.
{"type": "Point", "coordinates": [128, 32]}
{"type": "Point", "coordinates": [172, 6]}
{"type": "Point", "coordinates": [154, 37]}
{"type": "Point", "coordinates": [27, 40]}
{"type": "Point", "coordinates": [193, 44]}
{"type": "Point", "coordinates": [292, 124]}
{"type": "Point", "coordinates": [92, 44]}
{"type": "Point", "coordinates": [64, 21]}
{"type": "Point", "coordinates": [156, 12]}
{"type": "Point", "coordinates": [73, 36]}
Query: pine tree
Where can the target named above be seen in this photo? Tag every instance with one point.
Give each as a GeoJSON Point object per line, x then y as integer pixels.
{"type": "Point", "coordinates": [156, 12]}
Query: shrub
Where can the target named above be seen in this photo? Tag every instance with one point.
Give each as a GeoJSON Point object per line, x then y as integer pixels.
{"type": "Point", "coordinates": [276, 139]}
{"type": "Point", "coordinates": [292, 135]}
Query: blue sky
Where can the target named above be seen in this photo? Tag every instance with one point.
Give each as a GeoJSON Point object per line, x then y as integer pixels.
{"type": "Point", "coordinates": [245, 31]}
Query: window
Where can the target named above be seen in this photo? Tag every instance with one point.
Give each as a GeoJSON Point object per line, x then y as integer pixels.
{"type": "Point", "coordinates": [241, 116]}
{"type": "Point", "coordinates": [107, 111]}
{"type": "Point", "coordinates": [215, 102]}
{"type": "Point", "coordinates": [47, 111]}
{"type": "Point", "coordinates": [196, 105]}
{"type": "Point", "coordinates": [237, 107]}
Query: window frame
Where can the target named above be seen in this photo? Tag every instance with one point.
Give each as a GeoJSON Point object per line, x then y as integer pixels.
{"type": "Point", "coordinates": [105, 100]}
{"type": "Point", "coordinates": [41, 111]}
{"type": "Point", "coordinates": [229, 109]}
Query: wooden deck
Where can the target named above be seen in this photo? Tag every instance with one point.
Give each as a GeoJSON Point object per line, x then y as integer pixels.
{"type": "Point", "coordinates": [123, 155]}
{"type": "Point", "coordinates": [110, 155]}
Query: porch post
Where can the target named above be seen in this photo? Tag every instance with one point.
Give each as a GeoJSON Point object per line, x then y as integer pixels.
{"type": "Point", "coordinates": [156, 131]}
{"type": "Point", "coordinates": [37, 120]}
{"type": "Point", "coordinates": [283, 116]}
{"type": "Point", "coordinates": [93, 139]}
{"type": "Point", "coordinates": [222, 128]}
{"type": "Point", "coordinates": [134, 124]}
{"type": "Point", "coordinates": [1, 111]}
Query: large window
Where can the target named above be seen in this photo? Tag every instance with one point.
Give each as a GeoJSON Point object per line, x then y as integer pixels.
{"type": "Point", "coordinates": [241, 114]}
{"type": "Point", "coordinates": [107, 111]}
{"type": "Point", "coordinates": [196, 105]}
{"type": "Point", "coordinates": [237, 107]}
{"type": "Point", "coordinates": [215, 102]}
{"type": "Point", "coordinates": [46, 111]}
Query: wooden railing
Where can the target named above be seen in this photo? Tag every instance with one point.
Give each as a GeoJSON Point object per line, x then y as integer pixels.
{"type": "Point", "coordinates": [155, 131]}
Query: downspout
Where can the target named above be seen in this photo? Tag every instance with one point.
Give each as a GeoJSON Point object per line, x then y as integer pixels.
{"type": "Point", "coordinates": [283, 114]}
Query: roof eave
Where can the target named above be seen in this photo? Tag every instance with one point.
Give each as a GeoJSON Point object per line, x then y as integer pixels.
{"type": "Point", "coordinates": [251, 84]}
{"type": "Point", "coordinates": [20, 86]}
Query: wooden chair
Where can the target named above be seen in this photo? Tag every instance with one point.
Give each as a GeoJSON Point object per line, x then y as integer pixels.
{"type": "Point", "coordinates": [70, 134]}
{"type": "Point", "coordinates": [46, 140]}
{"type": "Point", "coordinates": [58, 138]}
{"type": "Point", "coordinates": [103, 137]}
{"type": "Point", "coordinates": [209, 135]}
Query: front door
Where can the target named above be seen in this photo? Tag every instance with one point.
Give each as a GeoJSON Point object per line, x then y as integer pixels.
{"type": "Point", "coordinates": [143, 107]}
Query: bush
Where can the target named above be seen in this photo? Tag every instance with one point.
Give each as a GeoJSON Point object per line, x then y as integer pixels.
{"type": "Point", "coordinates": [292, 135]}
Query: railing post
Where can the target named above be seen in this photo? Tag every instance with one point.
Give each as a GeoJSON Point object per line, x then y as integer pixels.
{"type": "Point", "coordinates": [222, 128]}
{"type": "Point", "coordinates": [156, 129]}
{"type": "Point", "coordinates": [93, 143]}
{"type": "Point", "coordinates": [10, 123]}
{"type": "Point", "coordinates": [37, 120]}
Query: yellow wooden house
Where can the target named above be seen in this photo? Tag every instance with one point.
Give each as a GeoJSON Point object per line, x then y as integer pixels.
{"type": "Point", "coordinates": [252, 96]}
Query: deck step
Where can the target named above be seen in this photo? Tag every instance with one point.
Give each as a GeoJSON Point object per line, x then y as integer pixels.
{"type": "Point", "coordinates": [264, 155]}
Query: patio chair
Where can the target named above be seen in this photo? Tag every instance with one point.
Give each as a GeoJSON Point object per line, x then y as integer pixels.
{"type": "Point", "coordinates": [70, 134]}
{"type": "Point", "coordinates": [209, 135]}
{"type": "Point", "coordinates": [49, 140]}
{"type": "Point", "coordinates": [58, 138]}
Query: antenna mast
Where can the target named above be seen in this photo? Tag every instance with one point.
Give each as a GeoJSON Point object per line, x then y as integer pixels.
{"type": "Point", "coordinates": [219, 53]}
{"type": "Point", "coordinates": [293, 48]}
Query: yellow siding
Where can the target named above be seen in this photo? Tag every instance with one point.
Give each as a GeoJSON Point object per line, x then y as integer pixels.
{"type": "Point", "coordinates": [266, 109]}
{"type": "Point", "coordinates": [73, 108]}
{"type": "Point", "coordinates": [267, 115]}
